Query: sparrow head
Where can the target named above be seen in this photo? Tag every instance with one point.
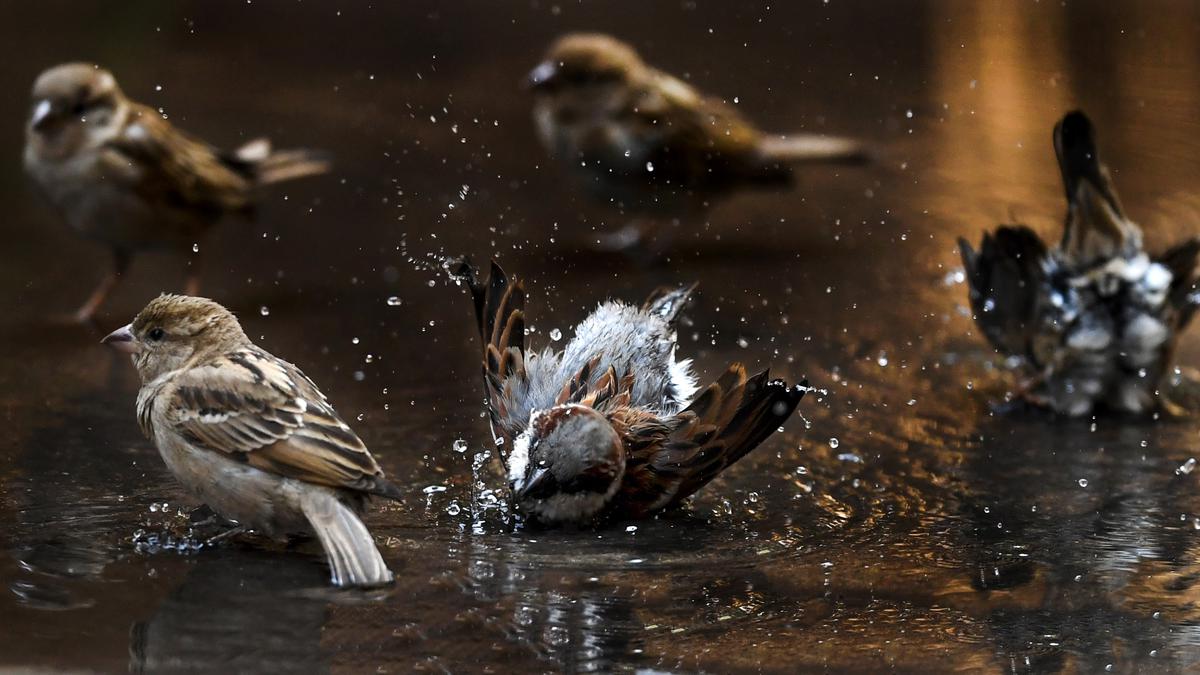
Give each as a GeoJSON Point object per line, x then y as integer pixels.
{"type": "Point", "coordinates": [567, 465]}
{"type": "Point", "coordinates": [175, 330]}
{"type": "Point", "coordinates": [73, 103]}
{"type": "Point", "coordinates": [581, 60]}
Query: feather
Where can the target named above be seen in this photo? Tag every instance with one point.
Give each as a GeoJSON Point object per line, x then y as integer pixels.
{"type": "Point", "coordinates": [264, 411]}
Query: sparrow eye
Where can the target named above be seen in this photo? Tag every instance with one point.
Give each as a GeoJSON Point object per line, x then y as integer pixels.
{"type": "Point", "coordinates": [156, 334]}
{"type": "Point", "coordinates": [79, 108]}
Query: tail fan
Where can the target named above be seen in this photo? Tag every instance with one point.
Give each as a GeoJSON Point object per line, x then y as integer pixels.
{"type": "Point", "coordinates": [1096, 228]}
{"type": "Point", "coordinates": [731, 417]}
{"type": "Point", "coordinates": [266, 166]}
{"type": "Point", "coordinates": [807, 148]}
{"type": "Point", "coordinates": [354, 560]}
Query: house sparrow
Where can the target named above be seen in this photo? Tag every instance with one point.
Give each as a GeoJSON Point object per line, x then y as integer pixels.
{"type": "Point", "coordinates": [249, 435]}
{"type": "Point", "coordinates": [1095, 319]}
{"type": "Point", "coordinates": [612, 426]}
{"type": "Point", "coordinates": [122, 175]}
{"type": "Point", "coordinates": [649, 142]}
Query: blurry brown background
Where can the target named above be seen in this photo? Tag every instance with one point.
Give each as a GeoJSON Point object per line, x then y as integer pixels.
{"type": "Point", "coordinates": [931, 534]}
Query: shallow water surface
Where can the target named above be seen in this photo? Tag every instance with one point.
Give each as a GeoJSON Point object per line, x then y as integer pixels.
{"type": "Point", "coordinates": [895, 523]}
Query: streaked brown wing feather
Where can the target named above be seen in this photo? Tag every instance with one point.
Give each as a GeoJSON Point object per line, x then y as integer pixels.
{"type": "Point", "coordinates": [500, 315]}
{"type": "Point", "coordinates": [263, 411]}
{"type": "Point", "coordinates": [705, 144]}
{"type": "Point", "coordinates": [177, 170]}
{"type": "Point", "coordinates": [1181, 259]}
{"type": "Point", "coordinates": [671, 459]}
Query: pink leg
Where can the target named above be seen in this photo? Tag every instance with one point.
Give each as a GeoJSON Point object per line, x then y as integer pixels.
{"type": "Point", "coordinates": [120, 264]}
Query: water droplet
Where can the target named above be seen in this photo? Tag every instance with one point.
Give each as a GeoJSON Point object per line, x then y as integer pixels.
{"type": "Point", "coordinates": [882, 360]}
{"type": "Point", "coordinates": [264, 310]}
{"type": "Point", "coordinates": [195, 248]}
{"type": "Point", "coordinates": [1083, 482]}
{"type": "Point", "coordinates": [453, 508]}
{"type": "Point", "coordinates": [431, 489]}
{"type": "Point", "coordinates": [555, 334]}
{"type": "Point", "coordinates": [353, 341]}
{"type": "Point", "coordinates": [650, 167]}
{"type": "Point", "coordinates": [1186, 467]}
{"type": "Point", "coordinates": [394, 301]}
{"type": "Point", "coordinates": [460, 446]}
{"type": "Point", "coordinates": [631, 529]}
{"type": "Point", "coordinates": [834, 443]}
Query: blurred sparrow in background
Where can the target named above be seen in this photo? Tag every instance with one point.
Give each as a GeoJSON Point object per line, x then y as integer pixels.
{"type": "Point", "coordinates": [249, 435]}
{"type": "Point", "coordinates": [650, 143]}
{"type": "Point", "coordinates": [1094, 319]}
{"type": "Point", "coordinates": [121, 174]}
{"type": "Point", "coordinates": [612, 425]}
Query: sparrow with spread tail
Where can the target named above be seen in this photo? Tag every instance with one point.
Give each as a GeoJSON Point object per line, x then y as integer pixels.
{"type": "Point", "coordinates": [249, 435]}
{"type": "Point", "coordinates": [1096, 318]}
{"type": "Point", "coordinates": [612, 426]}
{"type": "Point", "coordinates": [121, 174]}
{"type": "Point", "coordinates": [650, 143]}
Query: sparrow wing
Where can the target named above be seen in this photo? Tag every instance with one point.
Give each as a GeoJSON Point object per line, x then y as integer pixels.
{"type": "Point", "coordinates": [176, 170]}
{"type": "Point", "coordinates": [1181, 260]}
{"type": "Point", "coordinates": [1096, 228]}
{"type": "Point", "coordinates": [671, 459]}
{"type": "Point", "coordinates": [500, 313]}
{"type": "Point", "coordinates": [263, 411]}
{"type": "Point", "coordinates": [1005, 280]}
{"type": "Point", "coordinates": [693, 141]}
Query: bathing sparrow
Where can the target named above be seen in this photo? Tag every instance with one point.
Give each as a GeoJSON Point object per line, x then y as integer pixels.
{"type": "Point", "coordinates": [1095, 318]}
{"type": "Point", "coordinates": [613, 425]}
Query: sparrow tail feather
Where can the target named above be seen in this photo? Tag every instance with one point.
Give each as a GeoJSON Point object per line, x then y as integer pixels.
{"type": "Point", "coordinates": [266, 165]}
{"type": "Point", "coordinates": [1096, 227]}
{"type": "Point", "coordinates": [807, 148]}
{"type": "Point", "coordinates": [353, 558]}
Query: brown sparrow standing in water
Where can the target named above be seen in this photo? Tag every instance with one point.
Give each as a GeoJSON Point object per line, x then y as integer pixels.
{"type": "Point", "coordinates": [650, 143]}
{"type": "Point", "coordinates": [612, 425]}
{"type": "Point", "coordinates": [121, 174]}
{"type": "Point", "coordinates": [249, 435]}
{"type": "Point", "coordinates": [1095, 319]}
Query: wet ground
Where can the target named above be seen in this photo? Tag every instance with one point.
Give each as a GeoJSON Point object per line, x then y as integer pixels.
{"type": "Point", "coordinates": [897, 523]}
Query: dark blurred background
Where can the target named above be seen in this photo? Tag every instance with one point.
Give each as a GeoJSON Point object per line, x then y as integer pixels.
{"type": "Point", "coordinates": [896, 523]}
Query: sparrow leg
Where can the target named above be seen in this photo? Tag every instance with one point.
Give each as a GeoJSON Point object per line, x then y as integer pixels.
{"type": "Point", "coordinates": [1025, 396]}
{"type": "Point", "coordinates": [120, 264]}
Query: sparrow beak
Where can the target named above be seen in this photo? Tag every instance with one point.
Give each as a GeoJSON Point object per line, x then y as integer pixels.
{"type": "Point", "coordinates": [42, 114]}
{"type": "Point", "coordinates": [540, 485]}
{"type": "Point", "coordinates": [122, 340]}
{"type": "Point", "coordinates": [543, 76]}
